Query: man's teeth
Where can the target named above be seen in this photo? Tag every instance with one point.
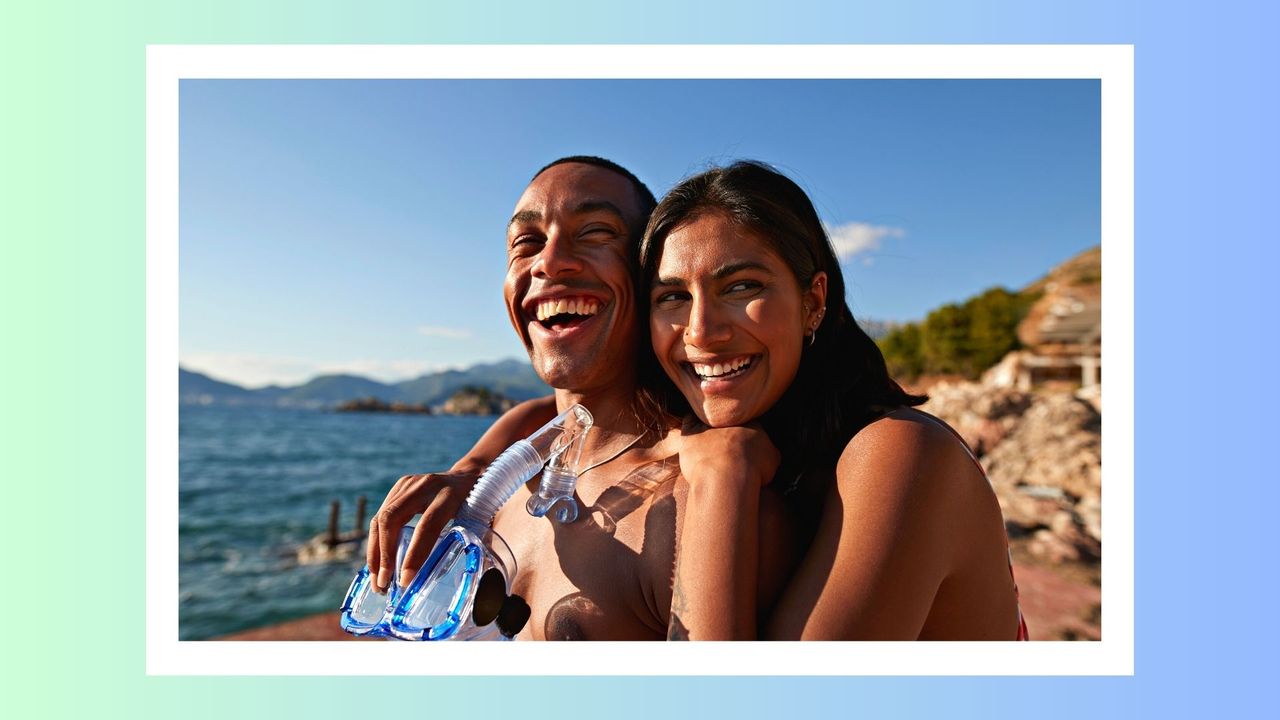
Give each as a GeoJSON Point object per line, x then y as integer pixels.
{"type": "Point", "coordinates": [721, 369]}
{"type": "Point", "coordinates": [551, 308]}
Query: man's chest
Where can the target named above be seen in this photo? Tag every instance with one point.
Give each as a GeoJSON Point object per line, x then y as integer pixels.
{"type": "Point", "coordinates": [605, 576]}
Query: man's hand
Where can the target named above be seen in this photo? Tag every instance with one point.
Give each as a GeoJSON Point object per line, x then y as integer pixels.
{"type": "Point", "coordinates": [741, 453]}
{"type": "Point", "coordinates": [438, 496]}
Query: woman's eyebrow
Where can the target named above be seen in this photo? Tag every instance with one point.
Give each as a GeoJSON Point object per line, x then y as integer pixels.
{"type": "Point", "coordinates": [719, 273]}
{"type": "Point", "coordinates": [725, 271]}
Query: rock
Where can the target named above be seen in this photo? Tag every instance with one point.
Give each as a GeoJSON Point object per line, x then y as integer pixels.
{"type": "Point", "coordinates": [1072, 288]}
{"type": "Point", "coordinates": [1043, 455]}
{"type": "Point", "coordinates": [472, 400]}
{"type": "Point", "coordinates": [982, 415]}
{"type": "Point", "coordinates": [1029, 512]}
{"type": "Point", "coordinates": [1091, 395]}
{"type": "Point", "coordinates": [1048, 546]}
{"type": "Point", "coordinates": [1058, 443]}
{"type": "Point", "coordinates": [365, 404]}
{"type": "Point", "coordinates": [1004, 374]}
{"type": "Point", "coordinates": [372, 404]}
{"type": "Point", "coordinates": [1062, 523]}
{"type": "Point", "coordinates": [1089, 509]}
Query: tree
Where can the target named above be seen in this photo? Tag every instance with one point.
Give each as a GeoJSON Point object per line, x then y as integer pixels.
{"type": "Point", "coordinates": [958, 339]}
{"type": "Point", "coordinates": [944, 344]}
{"type": "Point", "coordinates": [993, 323]}
{"type": "Point", "coordinates": [901, 348]}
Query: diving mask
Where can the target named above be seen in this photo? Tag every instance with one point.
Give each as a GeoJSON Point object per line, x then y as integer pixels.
{"type": "Point", "coordinates": [463, 589]}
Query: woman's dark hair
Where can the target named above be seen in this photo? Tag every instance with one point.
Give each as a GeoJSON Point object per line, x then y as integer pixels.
{"type": "Point", "coordinates": [842, 382]}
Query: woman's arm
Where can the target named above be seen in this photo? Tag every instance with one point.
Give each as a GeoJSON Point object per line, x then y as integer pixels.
{"type": "Point", "coordinates": [714, 595]}
{"type": "Point", "coordinates": [439, 496]}
{"type": "Point", "coordinates": [886, 540]}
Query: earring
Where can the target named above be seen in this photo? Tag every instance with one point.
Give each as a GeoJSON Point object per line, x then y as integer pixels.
{"type": "Point", "coordinates": [813, 335]}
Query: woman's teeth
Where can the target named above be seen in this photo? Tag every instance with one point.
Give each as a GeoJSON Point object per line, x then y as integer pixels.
{"type": "Point", "coordinates": [718, 371]}
{"type": "Point", "coordinates": [551, 308]}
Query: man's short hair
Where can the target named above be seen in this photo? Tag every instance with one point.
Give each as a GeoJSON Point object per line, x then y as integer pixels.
{"type": "Point", "coordinates": [643, 194]}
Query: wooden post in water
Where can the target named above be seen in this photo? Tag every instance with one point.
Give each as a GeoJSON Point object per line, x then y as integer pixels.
{"type": "Point", "coordinates": [360, 528]}
{"type": "Point", "coordinates": [331, 539]}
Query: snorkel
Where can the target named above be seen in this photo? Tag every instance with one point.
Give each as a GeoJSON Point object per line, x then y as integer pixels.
{"type": "Point", "coordinates": [462, 588]}
{"type": "Point", "coordinates": [558, 445]}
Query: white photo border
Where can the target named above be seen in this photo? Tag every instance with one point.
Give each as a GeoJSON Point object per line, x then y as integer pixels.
{"type": "Point", "coordinates": [167, 65]}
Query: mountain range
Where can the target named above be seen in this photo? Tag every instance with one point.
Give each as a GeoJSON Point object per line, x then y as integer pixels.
{"type": "Point", "coordinates": [513, 378]}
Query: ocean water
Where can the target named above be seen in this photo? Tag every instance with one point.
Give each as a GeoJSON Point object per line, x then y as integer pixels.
{"type": "Point", "coordinates": [255, 483]}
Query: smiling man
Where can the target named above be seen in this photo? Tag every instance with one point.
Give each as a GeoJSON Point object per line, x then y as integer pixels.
{"type": "Point", "coordinates": [570, 296]}
{"type": "Point", "coordinates": [568, 288]}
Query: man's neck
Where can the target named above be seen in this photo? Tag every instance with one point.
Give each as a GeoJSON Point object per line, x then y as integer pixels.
{"type": "Point", "coordinates": [612, 408]}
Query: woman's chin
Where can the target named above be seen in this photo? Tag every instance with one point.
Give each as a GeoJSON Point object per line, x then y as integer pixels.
{"type": "Point", "coordinates": [719, 417]}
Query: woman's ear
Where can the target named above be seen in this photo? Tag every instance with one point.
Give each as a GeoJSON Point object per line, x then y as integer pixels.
{"type": "Point", "coordinates": [815, 301]}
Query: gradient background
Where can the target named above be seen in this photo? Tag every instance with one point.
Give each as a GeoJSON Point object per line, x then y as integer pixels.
{"type": "Point", "coordinates": [72, 257]}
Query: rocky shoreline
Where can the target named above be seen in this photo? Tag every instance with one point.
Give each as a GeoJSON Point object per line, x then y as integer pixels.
{"type": "Point", "coordinates": [1042, 451]}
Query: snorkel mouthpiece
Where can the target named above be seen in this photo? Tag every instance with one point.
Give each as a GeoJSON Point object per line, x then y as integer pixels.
{"type": "Point", "coordinates": [555, 492]}
{"type": "Point", "coordinates": [561, 473]}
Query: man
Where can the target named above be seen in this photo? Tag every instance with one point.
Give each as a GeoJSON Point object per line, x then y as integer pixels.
{"type": "Point", "coordinates": [570, 297]}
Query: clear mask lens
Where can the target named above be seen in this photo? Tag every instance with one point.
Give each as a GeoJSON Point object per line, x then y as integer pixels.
{"type": "Point", "coordinates": [457, 579]}
{"type": "Point", "coordinates": [365, 611]}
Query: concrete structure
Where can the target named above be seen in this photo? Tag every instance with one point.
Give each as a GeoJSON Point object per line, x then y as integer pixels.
{"type": "Point", "coordinates": [1068, 344]}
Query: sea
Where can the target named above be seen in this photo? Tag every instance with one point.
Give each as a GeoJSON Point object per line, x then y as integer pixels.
{"type": "Point", "coordinates": [256, 483]}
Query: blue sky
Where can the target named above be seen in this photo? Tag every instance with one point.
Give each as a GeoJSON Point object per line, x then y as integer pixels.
{"type": "Point", "coordinates": [358, 226]}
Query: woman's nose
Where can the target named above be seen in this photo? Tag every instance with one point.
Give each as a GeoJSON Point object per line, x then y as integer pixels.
{"type": "Point", "coordinates": [707, 325]}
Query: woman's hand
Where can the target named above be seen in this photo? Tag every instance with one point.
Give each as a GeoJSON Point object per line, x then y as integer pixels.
{"type": "Point", "coordinates": [740, 454]}
{"type": "Point", "coordinates": [715, 591]}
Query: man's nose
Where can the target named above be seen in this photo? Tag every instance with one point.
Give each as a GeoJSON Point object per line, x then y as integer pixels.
{"type": "Point", "coordinates": [707, 325]}
{"type": "Point", "coordinates": [557, 257]}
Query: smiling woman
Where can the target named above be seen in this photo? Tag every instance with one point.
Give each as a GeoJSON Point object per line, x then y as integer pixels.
{"type": "Point", "coordinates": [904, 535]}
{"type": "Point", "coordinates": [728, 318]}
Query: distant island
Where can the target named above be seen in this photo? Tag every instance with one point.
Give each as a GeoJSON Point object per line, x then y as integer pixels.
{"type": "Point", "coordinates": [470, 400]}
{"type": "Point", "coordinates": [374, 405]}
{"type": "Point", "coordinates": [506, 382]}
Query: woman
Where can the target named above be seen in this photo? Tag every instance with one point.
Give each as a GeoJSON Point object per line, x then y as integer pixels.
{"type": "Point", "coordinates": [748, 320]}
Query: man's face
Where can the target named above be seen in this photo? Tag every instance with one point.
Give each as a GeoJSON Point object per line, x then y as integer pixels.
{"type": "Point", "coordinates": [568, 288]}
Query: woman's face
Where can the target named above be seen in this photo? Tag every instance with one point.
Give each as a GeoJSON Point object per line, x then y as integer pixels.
{"type": "Point", "coordinates": [728, 319]}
